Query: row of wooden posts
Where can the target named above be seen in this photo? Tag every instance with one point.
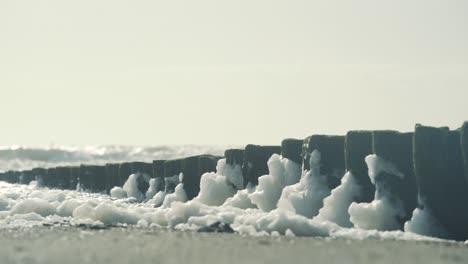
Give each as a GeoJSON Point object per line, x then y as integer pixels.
{"type": "Point", "coordinates": [434, 161]}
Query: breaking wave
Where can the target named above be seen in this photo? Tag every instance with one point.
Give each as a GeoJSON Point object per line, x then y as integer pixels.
{"type": "Point", "coordinates": [25, 158]}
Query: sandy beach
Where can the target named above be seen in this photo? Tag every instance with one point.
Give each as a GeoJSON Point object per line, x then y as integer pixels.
{"type": "Point", "coordinates": [152, 245]}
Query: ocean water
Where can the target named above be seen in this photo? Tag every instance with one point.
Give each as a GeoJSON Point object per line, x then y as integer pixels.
{"type": "Point", "coordinates": [24, 158]}
{"type": "Point", "coordinates": [286, 203]}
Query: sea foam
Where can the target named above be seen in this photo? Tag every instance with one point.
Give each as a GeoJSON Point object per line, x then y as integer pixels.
{"type": "Point", "coordinates": [286, 202]}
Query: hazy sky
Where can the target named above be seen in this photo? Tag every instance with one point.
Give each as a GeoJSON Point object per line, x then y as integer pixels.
{"type": "Point", "coordinates": [229, 72]}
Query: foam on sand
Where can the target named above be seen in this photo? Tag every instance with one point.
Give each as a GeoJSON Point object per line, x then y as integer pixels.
{"type": "Point", "coordinates": [384, 212]}
{"type": "Point", "coordinates": [283, 172]}
{"type": "Point", "coordinates": [233, 173]}
{"type": "Point", "coordinates": [215, 189]}
{"type": "Point", "coordinates": [306, 197]}
{"type": "Point", "coordinates": [424, 223]}
{"type": "Point", "coordinates": [335, 207]}
{"type": "Point", "coordinates": [219, 203]}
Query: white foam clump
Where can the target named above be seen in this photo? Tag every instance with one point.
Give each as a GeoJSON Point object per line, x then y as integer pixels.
{"type": "Point", "coordinates": [306, 197]}
{"type": "Point", "coordinates": [33, 205]}
{"type": "Point", "coordinates": [118, 193]}
{"type": "Point", "coordinates": [380, 214]}
{"type": "Point", "coordinates": [159, 197]}
{"type": "Point", "coordinates": [335, 207]}
{"type": "Point", "coordinates": [106, 213]}
{"type": "Point", "coordinates": [214, 189]}
{"type": "Point", "coordinates": [241, 199]}
{"type": "Point", "coordinates": [154, 186]}
{"type": "Point", "coordinates": [378, 165]}
{"type": "Point", "coordinates": [383, 213]}
{"type": "Point", "coordinates": [4, 204]}
{"type": "Point", "coordinates": [233, 173]}
{"type": "Point", "coordinates": [423, 222]}
{"type": "Point", "coordinates": [131, 187]}
{"type": "Point", "coordinates": [67, 207]}
{"type": "Point", "coordinates": [179, 194]}
{"type": "Point", "coordinates": [283, 172]}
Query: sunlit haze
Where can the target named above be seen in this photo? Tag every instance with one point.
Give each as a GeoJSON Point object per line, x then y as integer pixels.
{"type": "Point", "coordinates": [227, 72]}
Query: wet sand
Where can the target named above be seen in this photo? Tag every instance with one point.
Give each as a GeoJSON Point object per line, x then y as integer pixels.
{"type": "Point", "coordinates": [143, 245]}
